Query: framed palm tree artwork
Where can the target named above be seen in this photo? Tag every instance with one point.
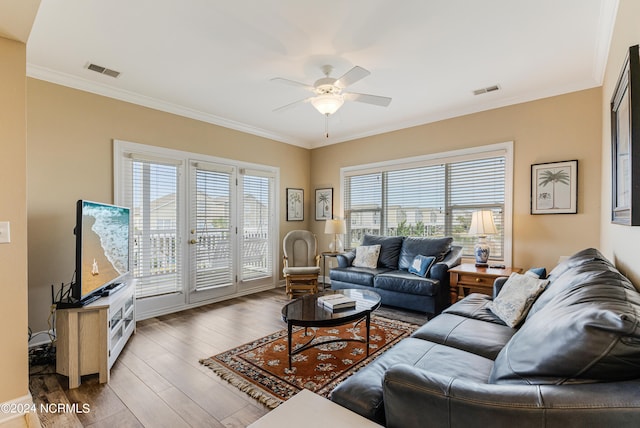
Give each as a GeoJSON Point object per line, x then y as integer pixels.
{"type": "Point", "coordinates": [295, 204]}
{"type": "Point", "coordinates": [554, 187]}
{"type": "Point", "coordinates": [324, 204]}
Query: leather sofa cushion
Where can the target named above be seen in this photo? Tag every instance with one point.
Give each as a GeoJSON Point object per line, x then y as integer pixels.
{"type": "Point", "coordinates": [356, 275]}
{"type": "Point", "coordinates": [478, 337]}
{"type": "Point", "coordinates": [405, 282]}
{"type": "Point", "coordinates": [589, 332]}
{"type": "Point", "coordinates": [411, 247]}
{"type": "Point", "coordinates": [389, 249]}
{"type": "Point", "coordinates": [475, 306]}
{"type": "Point", "coordinates": [363, 393]}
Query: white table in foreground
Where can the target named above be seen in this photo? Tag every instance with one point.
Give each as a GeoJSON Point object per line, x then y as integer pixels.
{"type": "Point", "coordinates": [311, 411]}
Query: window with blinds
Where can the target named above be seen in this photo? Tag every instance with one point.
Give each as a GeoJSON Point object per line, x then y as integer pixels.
{"type": "Point", "coordinates": [430, 198]}
{"type": "Point", "coordinates": [257, 190]}
{"type": "Point", "coordinates": [152, 194]}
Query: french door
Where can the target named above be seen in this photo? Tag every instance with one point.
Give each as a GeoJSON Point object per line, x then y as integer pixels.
{"type": "Point", "coordinates": [202, 229]}
{"type": "Point", "coordinates": [212, 235]}
{"type": "Point", "coordinates": [231, 230]}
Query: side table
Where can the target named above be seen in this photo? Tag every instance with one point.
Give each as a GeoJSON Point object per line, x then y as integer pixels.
{"type": "Point", "coordinates": [324, 265]}
{"type": "Point", "coordinates": [467, 278]}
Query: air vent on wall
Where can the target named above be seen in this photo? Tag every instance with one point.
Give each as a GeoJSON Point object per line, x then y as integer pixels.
{"type": "Point", "coordinates": [103, 70]}
{"type": "Point", "coordinates": [487, 89]}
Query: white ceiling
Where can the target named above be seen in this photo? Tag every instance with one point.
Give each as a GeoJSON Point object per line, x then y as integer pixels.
{"type": "Point", "coordinates": [213, 60]}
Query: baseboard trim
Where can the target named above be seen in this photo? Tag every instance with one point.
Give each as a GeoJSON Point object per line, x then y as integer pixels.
{"type": "Point", "coordinates": [19, 408]}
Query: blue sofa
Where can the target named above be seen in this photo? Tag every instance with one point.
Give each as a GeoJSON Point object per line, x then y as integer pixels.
{"type": "Point", "coordinates": [391, 278]}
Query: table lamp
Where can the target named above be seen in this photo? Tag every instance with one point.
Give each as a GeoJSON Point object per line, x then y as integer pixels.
{"type": "Point", "coordinates": [335, 227]}
{"type": "Point", "coordinates": [482, 225]}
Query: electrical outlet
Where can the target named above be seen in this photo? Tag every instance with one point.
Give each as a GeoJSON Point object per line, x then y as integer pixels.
{"type": "Point", "coordinates": [5, 232]}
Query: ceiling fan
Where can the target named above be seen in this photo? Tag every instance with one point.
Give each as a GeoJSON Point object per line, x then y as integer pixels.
{"type": "Point", "coordinates": [329, 92]}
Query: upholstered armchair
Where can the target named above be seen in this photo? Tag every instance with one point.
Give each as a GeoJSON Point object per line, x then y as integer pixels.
{"type": "Point", "coordinates": [301, 262]}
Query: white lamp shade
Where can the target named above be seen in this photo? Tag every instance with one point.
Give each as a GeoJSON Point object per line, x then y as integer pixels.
{"type": "Point", "coordinates": [335, 226]}
{"type": "Point", "coordinates": [327, 103]}
{"type": "Point", "coordinates": [482, 223]}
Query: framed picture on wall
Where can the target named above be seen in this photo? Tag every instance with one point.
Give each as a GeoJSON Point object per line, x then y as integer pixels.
{"type": "Point", "coordinates": [625, 143]}
{"type": "Point", "coordinates": [324, 204]}
{"type": "Point", "coordinates": [295, 204]}
{"type": "Point", "coordinates": [554, 188]}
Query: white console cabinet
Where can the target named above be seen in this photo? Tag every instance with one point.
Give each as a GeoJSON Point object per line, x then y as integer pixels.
{"type": "Point", "coordinates": [90, 338]}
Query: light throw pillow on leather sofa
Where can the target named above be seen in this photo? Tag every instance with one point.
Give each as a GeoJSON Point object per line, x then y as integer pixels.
{"type": "Point", "coordinates": [516, 297]}
{"type": "Point", "coordinates": [367, 256]}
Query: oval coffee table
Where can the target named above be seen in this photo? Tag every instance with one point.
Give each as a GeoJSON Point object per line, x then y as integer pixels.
{"type": "Point", "coordinates": [306, 312]}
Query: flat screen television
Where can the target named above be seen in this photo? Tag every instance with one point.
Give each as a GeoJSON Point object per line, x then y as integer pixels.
{"type": "Point", "coordinates": [102, 248]}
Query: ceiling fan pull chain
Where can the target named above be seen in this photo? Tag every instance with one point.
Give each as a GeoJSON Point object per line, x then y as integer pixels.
{"type": "Point", "coordinates": [326, 125]}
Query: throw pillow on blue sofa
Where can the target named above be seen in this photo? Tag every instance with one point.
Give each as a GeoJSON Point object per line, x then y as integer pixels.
{"type": "Point", "coordinates": [421, 265]}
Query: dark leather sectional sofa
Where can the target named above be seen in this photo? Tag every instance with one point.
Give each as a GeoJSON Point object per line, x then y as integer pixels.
{"type": "Point", "coordinates": [573, 362]}
{"type": "Point", "coordinates": [391, 279]}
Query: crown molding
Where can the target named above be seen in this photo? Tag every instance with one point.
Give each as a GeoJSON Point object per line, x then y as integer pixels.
{"type": "Point", "coordinates": [466, 110]}
{"type": "Point", "coordinates": [606, 25]}
{"type": "Point", "coordinates": [75, 82]}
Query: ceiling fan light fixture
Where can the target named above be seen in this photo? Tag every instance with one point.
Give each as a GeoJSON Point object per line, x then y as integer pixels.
{"type": "Point", "coordinates": [327, 104]}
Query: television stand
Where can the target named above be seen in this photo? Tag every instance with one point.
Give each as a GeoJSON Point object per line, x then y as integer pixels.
{"type": "Point", "coordinates": [91, 337]}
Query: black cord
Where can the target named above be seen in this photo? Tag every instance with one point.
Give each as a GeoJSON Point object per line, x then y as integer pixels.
{"type": "Point", "coordinates": [42, 373]}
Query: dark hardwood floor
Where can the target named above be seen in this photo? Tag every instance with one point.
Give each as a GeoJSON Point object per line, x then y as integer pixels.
{"type": "Point", "coordinates": [158, 382]}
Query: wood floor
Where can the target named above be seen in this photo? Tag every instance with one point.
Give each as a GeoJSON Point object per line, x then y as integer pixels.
{"type": "Point", "coordinates": [158, 382]}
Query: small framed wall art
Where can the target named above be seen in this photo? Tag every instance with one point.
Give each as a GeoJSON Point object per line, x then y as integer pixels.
{"type": "Point", "coordinates": [625, 143]}
{"type": "Point", "coordinates": [295, 204]}
{"type": "Point", "coordinates": [554, 188]}
{"type": "Point", "coordinates": [324, 204]}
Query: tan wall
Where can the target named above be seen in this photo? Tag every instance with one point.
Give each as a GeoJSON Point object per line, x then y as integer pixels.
{"type": "Point", "coordinates": [70, 157]}
{"type": "Point", "coordinates": [13, 208]}
{"type": "Point", "coordinates": [619, 243]}
{"type": "Point", "coordinates": [553, 129]}
{"type": "Point", "coordinates": [70, 135]}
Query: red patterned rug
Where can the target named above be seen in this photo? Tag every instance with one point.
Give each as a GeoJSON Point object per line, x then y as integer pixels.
{"type": "Point", "coordinates": [260, 368]}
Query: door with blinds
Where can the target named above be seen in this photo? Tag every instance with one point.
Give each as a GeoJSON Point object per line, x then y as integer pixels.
{"type": "Point", "coordinates": [231, 236]}
{"type": "Point", "coordinates": [212, 232]}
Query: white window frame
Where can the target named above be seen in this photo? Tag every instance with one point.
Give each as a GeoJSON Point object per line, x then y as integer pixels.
{"type": "Point", "coordinates": [499, 149]}
{"type": "Point", "coordinates": [145, 309]}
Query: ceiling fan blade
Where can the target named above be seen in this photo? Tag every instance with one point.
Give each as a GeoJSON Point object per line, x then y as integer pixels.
{"type": "Point", "coordinates": [367, 98]}
{"type": "Point", "coordinates": [293, 83]}
{"type": "Point", "coordinates": [351, 77]}
{"type": "Point", "coordinates": [291, 105]}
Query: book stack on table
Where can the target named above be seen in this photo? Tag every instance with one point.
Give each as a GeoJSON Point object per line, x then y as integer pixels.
{"type": "Point", "coordinates": [336, 301]}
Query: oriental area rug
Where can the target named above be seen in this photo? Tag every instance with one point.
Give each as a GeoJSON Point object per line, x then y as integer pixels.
{"type": "Point", "coordinates": [261, 368]}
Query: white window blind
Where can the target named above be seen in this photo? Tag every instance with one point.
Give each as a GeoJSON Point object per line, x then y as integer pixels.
{"type": "Point", "coordinates": [430, 198]}
{"type": "Point", "coordinates": [477, 185]}
{"type": "Point", "coordinates": [257, 225]}
{"type": "Point", "coordinates": [151, 191]}
{"type": "Point", "coordinates": [213, 227]}
{"type": "Point", "coordinates": [363, 207]}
